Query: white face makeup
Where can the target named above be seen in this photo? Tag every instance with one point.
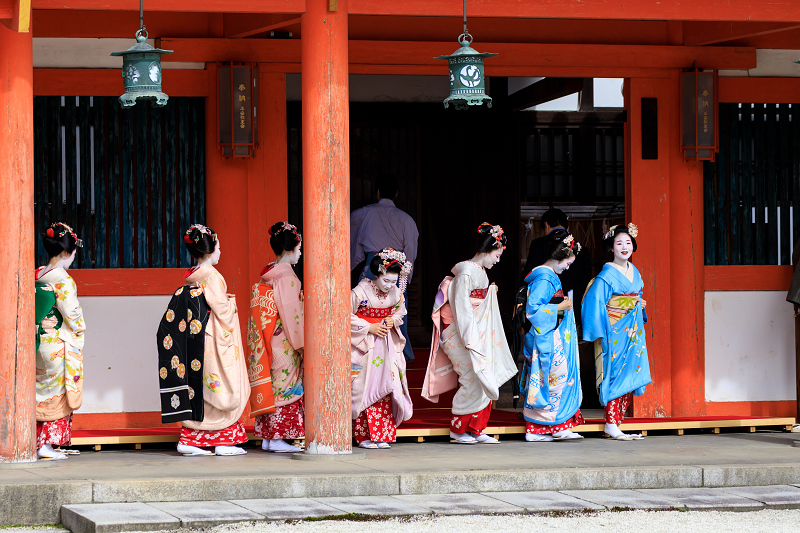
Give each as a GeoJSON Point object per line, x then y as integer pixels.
{"type": "Point", "coordinates": [213, 258]}
{"type": "Point", "coordinates": [563, 265]}
{"type": "Point", "coordinates": [66, 262]}
{"type": "Point", "coordinates": [490, 259]}
{"type": "Point", "coordinates": [623, 247]}
{"type": "Point", "coordinates": [384, 282]}
{"type": "Point", "coordinates": [296, 253]}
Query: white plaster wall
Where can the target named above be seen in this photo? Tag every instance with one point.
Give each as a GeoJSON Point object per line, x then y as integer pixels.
{"type": "Point", "coordinates": [120, 359]}
{"type": "Point", "coordinates": [749, 345]}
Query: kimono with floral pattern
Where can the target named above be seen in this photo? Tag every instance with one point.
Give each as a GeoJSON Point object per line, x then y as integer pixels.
{"type": "Point", "coordinates": [475, 341]}
{"type": "Point", "coordinates": [378, 365]}
{"type": "Point", "coordinates": [288, 337]}
{"type": "Point", "coordinates": [59, 359]}
{"type": "Point", "coordinates": [227, 387]}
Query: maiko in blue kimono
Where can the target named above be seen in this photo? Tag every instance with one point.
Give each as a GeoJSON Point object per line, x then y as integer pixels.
{"type": "Point", "coordinates": [551, 385]}
{"type": "Point", "coordinates": [614, 317]}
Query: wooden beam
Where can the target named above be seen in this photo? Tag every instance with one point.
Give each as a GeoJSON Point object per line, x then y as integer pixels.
{"type": "Point", "coordinates": [705, 33]}
{"type": "Point", "coordinates": [543, 91]}
{"type": "Point", "coordinates": [19, 17]}
{"type": "Point", "coordinates": [204, 6]}
{"type": "Point", "coordinates": [238, 26]}
{"type": "Point", "coordinates": [748, 278]}
{"type": "Point", "coordinates": [762, 90]}
{"type": "Point", "coordinates": [511, 54]}
{"type": "Point", "coordinates": [773, 11]}
{"type": "Point", "coordinates": [107, 82]}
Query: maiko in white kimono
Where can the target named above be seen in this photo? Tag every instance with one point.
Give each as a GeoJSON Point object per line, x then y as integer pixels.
{"type": "Point", "coordinates": [474, 340]}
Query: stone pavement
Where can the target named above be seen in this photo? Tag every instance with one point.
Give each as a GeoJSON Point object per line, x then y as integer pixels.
{"type": "Point", "coordinates": [114, 517]}
{"type": "Point", "coordinates": [408, 470]}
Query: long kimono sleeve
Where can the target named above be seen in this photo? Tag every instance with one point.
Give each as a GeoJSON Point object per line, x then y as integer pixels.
{"type": "Point", "coordinates": [290, 309]}
{"type": "Point", "coordinates": [71, 312]}
{"type": "Point", "coordinates": [542, 315]}
{"type": "Point", "coordinates": [461, 307]}
{"type": "Point", "coordinates": [594, 316]}
{"type": "Point", "coordinates": [359, 328]}
{"type": "Point", "coordinates": [223, 305]}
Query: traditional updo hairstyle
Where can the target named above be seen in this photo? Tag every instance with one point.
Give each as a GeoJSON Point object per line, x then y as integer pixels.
{"type": "Point", "coordinates": [490, 238]}
{"type": "Point", "coordinates": [375, 267]}
{"type": "Point", "coordinates": [284, 237]}
{"type": "Point", "coordinates": [562, 245]}
{"type": "Point", "coordinates": [608, 242]}
{"type": "Point", "coordinates": [200, 240]}
{"type": "Point", "coordinates": [60, 238]}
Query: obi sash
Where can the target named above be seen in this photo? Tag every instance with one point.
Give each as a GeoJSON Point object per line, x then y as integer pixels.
{"type": "Point", "coordinates": [373, 315]}
{"type": "Point", "coordinates": [558, 297]}
{"type": "Point", "coordinates": [479, 294]}
{"type": "Point", "coordinates": [261, 328]}
{"type": "Point", "coordinates": [620, 305]}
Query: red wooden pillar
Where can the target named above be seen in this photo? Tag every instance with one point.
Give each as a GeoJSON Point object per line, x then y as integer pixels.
{"type": "Point", "coordinates": [687, 259]}
{"type": "Point", "coordinates": [326, 221]}
{"type": "Point", "coordinates": [17, 357]}
{"type": "Point", "coordinates": [648, 206]}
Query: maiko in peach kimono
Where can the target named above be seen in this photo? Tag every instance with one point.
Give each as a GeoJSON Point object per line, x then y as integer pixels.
{"type": "Point", "coordinates": [287, 361]}
{"type": "Point", "coordinates": [227, 388]}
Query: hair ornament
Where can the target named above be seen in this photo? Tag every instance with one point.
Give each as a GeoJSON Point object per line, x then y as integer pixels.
{"type": "Point", "coordinates": [633, 231]}
{"type": "Point", "coordinates": [390, 256]}
{"type": "Point", "coordinates": [202, 229]}
{"type": "Point", "coordinates": [59, 229]}
{"type": "Point", "coordinates": [573, 245]}
{"type": "Point", "coordinates": [495, 231]}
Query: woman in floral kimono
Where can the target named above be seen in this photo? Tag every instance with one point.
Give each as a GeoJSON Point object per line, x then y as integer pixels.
{"type": "Point", "coordinates": [286, 342]}
{"type": "Point", "coordinates": [224, 367]}
{"type": "Point", "coordinates": [59, 344]}
{"type": "Point", "coordinates": [472, 336]}
{"type": "Point", "coordinates": [551, 383]}
{"type": "Point", "coordinates": [614, 317]}
{"type": "Point", "coordinates": [381, 400]}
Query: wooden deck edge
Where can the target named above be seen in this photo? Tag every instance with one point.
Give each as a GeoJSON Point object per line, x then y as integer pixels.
{"type": "Point", "coordinates": [490, 430]}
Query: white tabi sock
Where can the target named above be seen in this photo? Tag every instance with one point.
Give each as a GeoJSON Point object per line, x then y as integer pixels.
{"type": "Point", "coordinates": [613, 431]}
{"type": "Point", "coordinates": [533, 437]}
{"type": "Point", "coordinates": [463, 438]}
{"type": "Point", "coordinates": [280, 445]}
{"type": "Point", "coordinates": [47, 452]}
{"type": "Point", "coordinates": [228, 450]}
{"type": "Point", "coordinates": [192, 450]}
{"type": "Point", "coordinates": [265, 445]}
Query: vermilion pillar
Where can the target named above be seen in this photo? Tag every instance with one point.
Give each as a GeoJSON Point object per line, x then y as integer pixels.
{"type": "Point", "coordinates": [17, 357]}
{"type": "Point", "coordinates": [326, 225]}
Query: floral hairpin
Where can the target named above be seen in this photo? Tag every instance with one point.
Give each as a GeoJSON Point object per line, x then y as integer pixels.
{"type": "Point", "coordinates": [202, 229]}
{"type": "Point", "coordinates": [495, 231]}
{"type": "Point", "coordinates": [285, 226]}
{"type": "Point", "coordinates": [63, 230]}
{"type": "Point", "coordinates": [389, 256]}
{"type": "Point", "coordinates": [574, 245]}
{"type": "Point", "coordinates": [633, 231]}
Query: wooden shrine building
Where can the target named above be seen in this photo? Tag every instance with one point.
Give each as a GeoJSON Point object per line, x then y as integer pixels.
{"type": "Point", "coordinates": [347, 90]}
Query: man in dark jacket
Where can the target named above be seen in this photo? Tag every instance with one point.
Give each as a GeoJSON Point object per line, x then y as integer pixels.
{"type": "Point", "coordinates": [580, 272]}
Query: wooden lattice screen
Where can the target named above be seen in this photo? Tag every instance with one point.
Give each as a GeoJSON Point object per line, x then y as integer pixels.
{"type": "Point", "coordinates": [753, 187]}
{"type": "Point", "coordinates": [128, 181]}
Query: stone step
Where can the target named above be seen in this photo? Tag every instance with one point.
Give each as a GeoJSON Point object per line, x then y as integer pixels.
{"type": "Point", "coordinates": [114, 517]}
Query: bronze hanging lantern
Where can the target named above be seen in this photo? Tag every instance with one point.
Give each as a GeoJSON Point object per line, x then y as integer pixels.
{"type": "Point", "coordinates": [467, 82]}
{"type": "Point", "coordinates": [141, 70]}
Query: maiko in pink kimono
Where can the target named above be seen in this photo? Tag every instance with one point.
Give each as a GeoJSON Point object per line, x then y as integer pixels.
{"type": "Point", "coordinates": [380, 392]}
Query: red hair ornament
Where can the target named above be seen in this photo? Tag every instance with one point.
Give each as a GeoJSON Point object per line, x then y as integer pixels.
{"type": "Point", "coordinates": [50, 233]}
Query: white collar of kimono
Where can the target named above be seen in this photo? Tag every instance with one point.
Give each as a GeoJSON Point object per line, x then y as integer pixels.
{"type": "Point", "coordinates": [627, 272]}
{"type": "Point", "coordinates": [475, 272]}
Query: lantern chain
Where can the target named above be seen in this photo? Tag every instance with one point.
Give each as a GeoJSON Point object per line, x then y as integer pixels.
{"type": "Point", "coordinates": [141, 16]}
{"type": "Point", "coordinates": [465, 36]}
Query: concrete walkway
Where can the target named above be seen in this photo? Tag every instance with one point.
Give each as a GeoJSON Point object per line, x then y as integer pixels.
{"type": "Point", "coordinates": [35, 495]}
{"type": "Point", "coordinates": [113, 517]}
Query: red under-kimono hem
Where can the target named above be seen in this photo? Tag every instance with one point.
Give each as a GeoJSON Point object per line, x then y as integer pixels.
{"type": "Point", "coordinates": [58, 432]}
{"type": "Point", "coordinates": [473, 422]}
{"type": "Point", "coordinates": [540, 429]}
{"type": "Point", "coordinates": [231, 435]}
{"type": "Point", "coordinates": [376, 422]}
{"type": "Point", "coordinates": [285, 423]}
